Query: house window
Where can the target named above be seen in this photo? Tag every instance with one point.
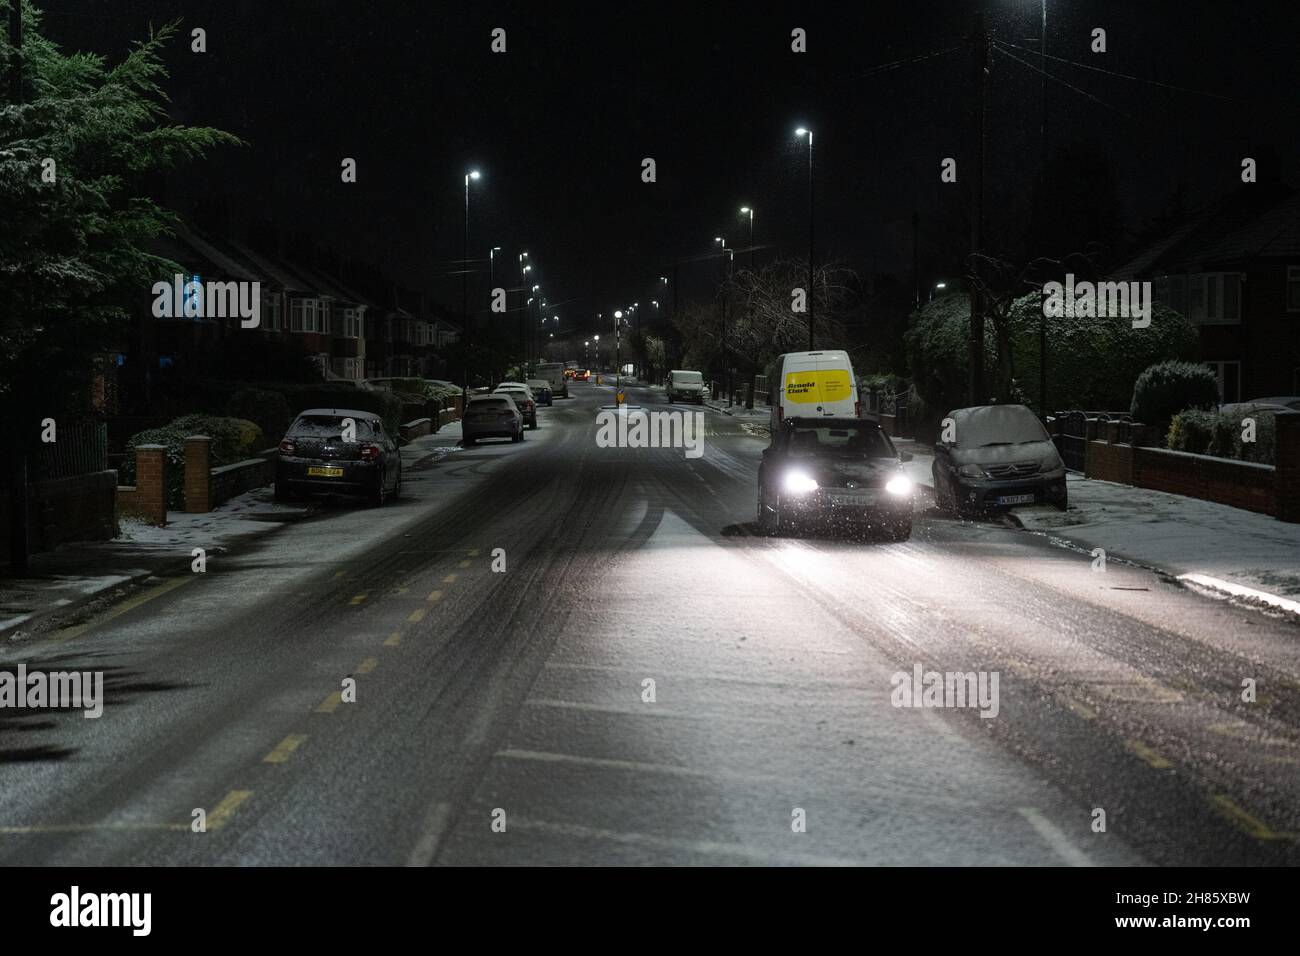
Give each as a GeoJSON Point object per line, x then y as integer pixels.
{"type": "Point", "coordinates": [1228, 374]}
{"type": "Point", "coordinates": [307, 315]}
{"type": "Point", "coordinates": [271, 318]}
{"type": "Point", "coordinates": [1293, 288]}
{"type": "Point", "coordinates": [1215, 298]}
{"type": "Point", "coordinates": [352, 323]}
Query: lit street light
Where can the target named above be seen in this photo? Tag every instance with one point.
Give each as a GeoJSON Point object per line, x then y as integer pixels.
{"type": "Point", "coordinates": [464, 287]}
{"type": "Point", "coordinates": [801, 131]}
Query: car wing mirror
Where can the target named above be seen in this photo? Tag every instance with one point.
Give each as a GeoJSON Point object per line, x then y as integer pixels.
{"type": "Point", "coordinates": [904, 456]}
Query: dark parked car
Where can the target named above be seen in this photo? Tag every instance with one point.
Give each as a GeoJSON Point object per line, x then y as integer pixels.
{"type": "Point", "coordinates": [491, 416]}
{"type": "Point", "coordinates": [541, 390]}
{"type": "Point", "coordinates": [338, 450]}
{"type": "Point", "coordinates": [839, 470]}
{"type": "Point", "coordinates": [998, 456]}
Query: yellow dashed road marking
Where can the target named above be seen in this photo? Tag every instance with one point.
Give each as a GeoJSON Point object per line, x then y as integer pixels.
{"type": "Point", "coordinates": [284, 748]}
{"type": "Point", "coordinates": [473, 552]}
{"type": "Point", "coordinates": [1245, 821]}
{"type": "Point", "coordinates": [224, 810]}
{"type": "Point", "coordinates": [464, 564]}
{"type": "Point", "coordinates": [330, 703]}
{"type": "Point", "coordinates": [366, 666]}
{"type": "Point", "coordinates": [416, 616]}
{"type": "Point", "coordinates": [435, 595]}
{"type": "Point", "coordinates": [1147, 754]}
{"type": "Point", "coordinates": [393, 639]}
{"type": "Point", "coordinates": [449, 579]}
{"type": "Point", "coordinates": [358, 599]}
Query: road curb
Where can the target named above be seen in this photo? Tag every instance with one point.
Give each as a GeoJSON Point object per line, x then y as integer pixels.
{"type": "Point", "coordinates": [35, 620]}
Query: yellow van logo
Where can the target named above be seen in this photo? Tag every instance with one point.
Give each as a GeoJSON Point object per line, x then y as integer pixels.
{"type": "Point", "coordinates": [811, 386]}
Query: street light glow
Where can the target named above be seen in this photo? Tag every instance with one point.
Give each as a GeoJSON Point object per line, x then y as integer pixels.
{"type": "Point", "coordinates": [801, 132]}
{"type": "Point", "coordinates": [474, 174]}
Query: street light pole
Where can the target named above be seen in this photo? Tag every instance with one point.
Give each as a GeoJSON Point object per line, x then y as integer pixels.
{"type": "Point", "coordinates": [464, 290]}
{"type": "Point", "coordinates": [811, 338]}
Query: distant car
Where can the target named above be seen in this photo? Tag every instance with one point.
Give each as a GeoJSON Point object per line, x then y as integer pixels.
{"type": "Point", "coordinates": [557, 376]}
{"type": "Point", "coordinates": [541, 389]}
{"type": "Point", "coordinates": [491, 416]}
{"type": "Point", "coordinates": [523, 398]}
{"type": "Point", "coordinates": [999, 456]}
{"type": "Point", "coordinates": [582, 375]}
{"type": "Point", "coordinates": [684, 385]}
{"type": "Point", "coordinates": [834, 470]}
{"type": "Point", "coordinates": [338, 450]}
{"type": "Point", "coordinates": [1278, 403]}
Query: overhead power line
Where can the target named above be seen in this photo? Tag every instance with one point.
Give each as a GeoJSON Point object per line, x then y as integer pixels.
{"type": "Point", "coordinates": [1057, 79]}
{"type": "Point", "coordinates": [1124, 76]}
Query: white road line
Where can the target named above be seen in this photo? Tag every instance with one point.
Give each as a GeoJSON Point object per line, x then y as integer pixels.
{"type": "Point", "coordinates": [704, 847]}
{"type": "Point", "coordinates": [636, 766]}
{"type": "Point", "coordinates": [431, 832]}
{"type": "Point", "coordinates": [652, 710]}
{"type": "Point", "coordinates": [1055, 838]}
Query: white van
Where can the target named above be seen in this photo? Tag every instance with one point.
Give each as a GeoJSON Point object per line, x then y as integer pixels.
{"type": "Point", "coordinates": [813, 385]}
{"type": "Point", "coordinates": [553, 372]}
{"type": "Point", "coordinates": [685, 385]}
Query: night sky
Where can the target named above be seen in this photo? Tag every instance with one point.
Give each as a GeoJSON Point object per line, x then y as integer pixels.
{"type": "Point", "coordinates": [559, 124]}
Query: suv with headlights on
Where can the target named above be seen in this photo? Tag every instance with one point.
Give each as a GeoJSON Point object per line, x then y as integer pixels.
{"type": "Point", "coordinates": [996, 456]}
{"type": "Point", "coordinates": [834, 471]}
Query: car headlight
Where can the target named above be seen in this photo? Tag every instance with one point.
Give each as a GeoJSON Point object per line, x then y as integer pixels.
{"type": "Point", "coordinates": [899, 485]}
{"type": "Point", "coordinates": [971, 471]}
{"type": "Point", "coordinates": [799, 483]}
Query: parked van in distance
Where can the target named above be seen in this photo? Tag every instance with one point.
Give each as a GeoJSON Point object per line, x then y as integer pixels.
{"type": "Point", "coordinates": [553, 372]}
{"type": "Point", "coordinates": [812, 384]}
{"type": "Point", "coordinates": [685, 386]}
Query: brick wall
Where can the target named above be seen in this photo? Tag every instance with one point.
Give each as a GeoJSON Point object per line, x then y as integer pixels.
{"type": "Point", "coordinates": [1240, 484]}
{"type": "Point", "coordinates": [147, 499]}
{"type": "Point", "coordinates": [1109, 462]}
{"type": "Point", "coordinates": [230, 480]}
{"type": "Point", "coordinates": [60, 510]}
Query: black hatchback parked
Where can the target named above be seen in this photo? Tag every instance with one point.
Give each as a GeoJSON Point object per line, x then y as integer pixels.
{"type": "Point", "coordinates": [338, 450]}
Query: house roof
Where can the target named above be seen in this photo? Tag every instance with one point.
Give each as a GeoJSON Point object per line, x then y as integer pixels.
{"type": "Point", "coordinates": [1251, 222]}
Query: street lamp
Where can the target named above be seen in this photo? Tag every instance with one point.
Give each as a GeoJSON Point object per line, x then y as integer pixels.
{"type": "Point", "coordinates": [464, 288]}
{"type": "Point", "coordinates": [938, 286]}
{"type": "Point", "coordinates": [801, 131]}
{"type": "Point", "coordinates": [491, 263]}
{"type": "Point", "coordinates": [749, 210]}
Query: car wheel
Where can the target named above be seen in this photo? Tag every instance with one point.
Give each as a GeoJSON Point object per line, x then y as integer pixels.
{"type": "Point", "coordinates": [785, 524]}
{"type": "Point", "coordinates": [466, 442]}
{"type": "Point", "coordinates": [764, 516]}
{"type": "Point", "coordinates": [517, 436]}
{"type": "Point", "coordinates": [1065, 502]}
{"type": "Point", "coordinates": [283, 492]}
{"type": "Point", "coordinates": [397, 488]}
{"type": "Point", "coordinates": [379, 496]}
{"type": "Point", "coordinates": [899, 531]}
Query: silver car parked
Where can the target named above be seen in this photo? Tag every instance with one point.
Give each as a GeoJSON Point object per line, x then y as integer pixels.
{"type": "Point", "coordinates": [491, 416]}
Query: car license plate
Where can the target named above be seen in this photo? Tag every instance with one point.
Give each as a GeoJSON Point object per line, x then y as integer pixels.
{"type": "Point", "coordinates": [1016, 500]}
{"type": "Point", "coordinates": [325, 472]}
{"type": "Point", "coordinates": [855, 499]}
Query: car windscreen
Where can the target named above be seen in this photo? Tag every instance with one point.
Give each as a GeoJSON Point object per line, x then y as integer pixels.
{"type": "Point", "coordinates": [490, 404]}
{"type": "Point", "coordinates": [842, 440]}
{"type": "Point", "coordinates": [998, 425]}
{"type": "Point", "coordinates": [331, 426]}
{"type": "Point", "coordinates": [688, 378]}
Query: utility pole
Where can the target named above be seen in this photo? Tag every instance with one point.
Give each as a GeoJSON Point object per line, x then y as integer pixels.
{"type": "Point", "coordinates": [976, 358]}
{"type": "Point", "coordinates": [916, 260]}
{"type": "Point", "coordinates": [812, 344]}
{"type": "Point", "coordinates": [19, 562]}
{"type": "Point", "coordinates": [1042, 181]}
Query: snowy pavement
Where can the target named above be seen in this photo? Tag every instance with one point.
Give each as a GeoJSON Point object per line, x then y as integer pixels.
{"type": "Point", "coordinates": [79, 573]}
{"type": "Point", "coordinates": [1214, 548]}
